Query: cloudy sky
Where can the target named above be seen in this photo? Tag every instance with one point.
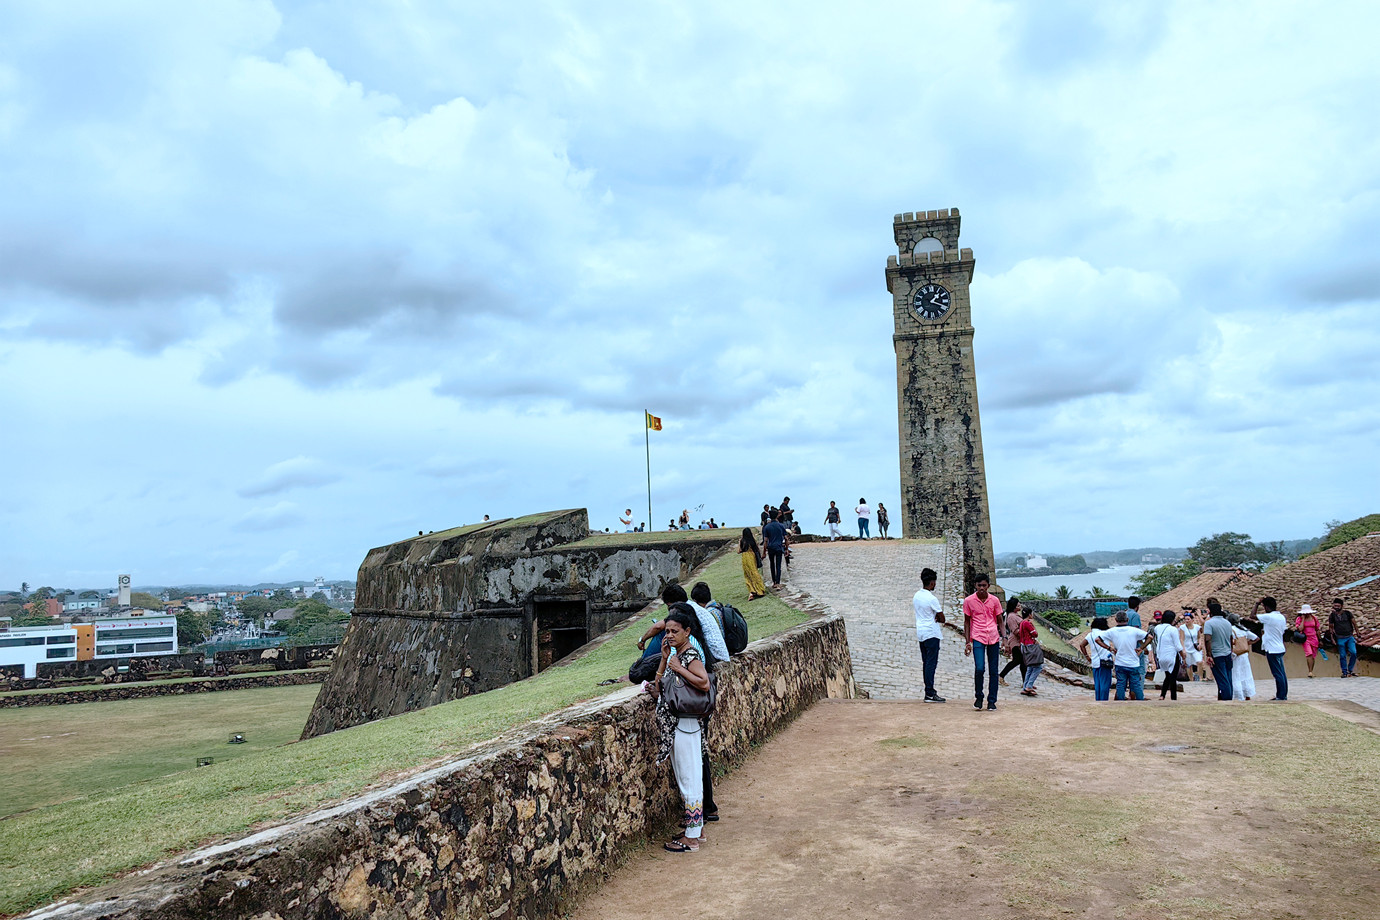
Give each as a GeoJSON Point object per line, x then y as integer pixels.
{"type": "Point", "coordinates": [280, 282]}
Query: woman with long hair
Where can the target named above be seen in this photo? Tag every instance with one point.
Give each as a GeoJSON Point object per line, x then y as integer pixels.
{"type": "Point", "coordinates": [1170, 649]}
{"type": "Point", "coordinates": [682, 737]}
{"type": "Point", "coordinates": [752, 564]}
{"type": "Point", "coordinates": [1307, 623]}
{"type": "Point", "coordinates": [1008, 642]}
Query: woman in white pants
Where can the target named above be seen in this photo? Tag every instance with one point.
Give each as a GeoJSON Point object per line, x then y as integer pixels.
{"type": "Point", "coordinates": [1242, 680]}
{"type": "Point", "coordinates": [682, 738]}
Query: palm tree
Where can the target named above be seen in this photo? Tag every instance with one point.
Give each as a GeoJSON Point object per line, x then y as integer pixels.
{"type": "Point", "coordinates": [1098, 592]}
{"type": "Point", "coordinates": [1063, 593]}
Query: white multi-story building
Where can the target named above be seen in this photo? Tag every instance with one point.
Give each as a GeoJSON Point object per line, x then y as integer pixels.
{"type": "Point", "coordinates": [106, 639]}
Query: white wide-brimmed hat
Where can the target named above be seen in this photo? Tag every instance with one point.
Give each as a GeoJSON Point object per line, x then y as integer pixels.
{"type": "Point", "coordinates": [1306, 608]}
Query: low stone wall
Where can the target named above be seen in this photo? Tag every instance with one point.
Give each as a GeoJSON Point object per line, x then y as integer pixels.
{"type": "Point", "coordinates": [136, 691]}
{"type": "Point", "coordinates": [515, 829]}
{"type": "Point", "coordinates": [1085, 607]}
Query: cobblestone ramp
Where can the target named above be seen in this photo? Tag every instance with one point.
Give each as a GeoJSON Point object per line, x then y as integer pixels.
{"type": "Point", "coordinates": [870, 584]}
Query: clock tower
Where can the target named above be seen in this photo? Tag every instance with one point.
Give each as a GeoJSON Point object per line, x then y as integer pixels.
{"type": "Point", "coordinates": [943, 479]}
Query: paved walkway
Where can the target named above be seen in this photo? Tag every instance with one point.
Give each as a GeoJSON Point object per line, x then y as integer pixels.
{"type": "Point", "coordinates": [870, 584]}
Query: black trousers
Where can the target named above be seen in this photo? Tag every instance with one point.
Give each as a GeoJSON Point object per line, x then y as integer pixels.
{"type": "Point", "coordinates": [1170, 685]}
{"type": "Point", "coordinates": [710, 806]}
{"type": "Point", "coordinates": [1016, 659]}
{"type": "Point", "coordinates": [775, 556]}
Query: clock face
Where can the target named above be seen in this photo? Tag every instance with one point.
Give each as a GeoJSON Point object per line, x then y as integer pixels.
{"type": "Point", "coordinates": [931, 301]}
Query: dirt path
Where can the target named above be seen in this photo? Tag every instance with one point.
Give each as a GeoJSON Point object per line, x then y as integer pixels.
{"type": "Point", "coordinates": [897, 809]}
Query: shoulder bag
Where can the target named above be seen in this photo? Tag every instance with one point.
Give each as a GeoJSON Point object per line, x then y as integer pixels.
{"type": "Point", "coordinates": [684, 700]}
{"type": "Point", "coordinates": [1240, 645]}
{"type": "Point", "coordinates": [1032, 654]}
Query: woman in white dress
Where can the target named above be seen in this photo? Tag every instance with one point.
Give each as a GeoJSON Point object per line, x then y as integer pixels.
{"type": "Point", "coordinates": [1170, 649]}
{"type": "Point", "coordinates": [1192, 629]}
{"type": "Point", "coordinates": [1242, 680]}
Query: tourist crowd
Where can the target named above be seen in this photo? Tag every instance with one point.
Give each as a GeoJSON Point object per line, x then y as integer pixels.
{"type": "Point", "coordinates": [1125, 656]}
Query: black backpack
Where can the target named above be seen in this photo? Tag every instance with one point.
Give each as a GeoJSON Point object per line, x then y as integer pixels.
{"type": "Point", "coordinates": [734, 627]}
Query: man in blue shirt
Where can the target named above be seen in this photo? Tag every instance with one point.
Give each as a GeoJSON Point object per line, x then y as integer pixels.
{"type": "Point", "coordinates": [775, 536]}
{"type": "Point", "coordinates": [1133, 619]}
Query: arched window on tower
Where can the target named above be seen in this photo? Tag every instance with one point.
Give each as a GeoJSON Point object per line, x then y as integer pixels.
{"type": "Point", "coordinates": [929, 244]}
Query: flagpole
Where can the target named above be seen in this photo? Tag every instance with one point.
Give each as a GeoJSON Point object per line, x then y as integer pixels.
{"type": "Point", "coordinates": [647, 436]}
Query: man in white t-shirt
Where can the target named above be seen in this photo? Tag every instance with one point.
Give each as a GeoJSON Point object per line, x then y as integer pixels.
{"type": "Point", "coordinates": [929, 614]}
{"type": "Point", "coordinates": [1272, 642]}
{"type": "Point", "coordinates": [1126, 642]}
{"type": "Point", "coordinates": [626, 520]}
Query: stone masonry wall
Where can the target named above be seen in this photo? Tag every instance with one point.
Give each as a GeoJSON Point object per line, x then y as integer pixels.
{"type": "Point", "coordinates": [139, 691]}
{"type": "Point", "coordinates": [513, 830]}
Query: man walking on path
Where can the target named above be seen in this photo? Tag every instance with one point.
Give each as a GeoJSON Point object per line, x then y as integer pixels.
{"type": "Point", "coordinates": [1343, 628]}
{"type": "Point", "coordinates": [774, 536]}
{"type": "Point", "coordinates": [1217, 637]}
{"type": "Point", "coordinates": [1272, 642]}
{"type": "Point", "coordinates": [982, 639]}
{"type": "Point", "coordinates": [626, 520]}
{"type": "Point", "coordinates": [1126, 642]}
{"type": "Point", "coordinates": [929, 614]}
{"type": "Point", "coordinates": [832, 518]}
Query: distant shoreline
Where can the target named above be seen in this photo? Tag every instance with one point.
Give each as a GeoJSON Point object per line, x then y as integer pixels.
{"type": "Point", "coordinates": [1046, 573]}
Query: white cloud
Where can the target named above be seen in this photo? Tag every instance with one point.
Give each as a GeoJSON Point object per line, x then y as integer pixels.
{"type": "Point", "coordinates": [296, 473]}
{"type": "Point", "coordinates": [456, 252]}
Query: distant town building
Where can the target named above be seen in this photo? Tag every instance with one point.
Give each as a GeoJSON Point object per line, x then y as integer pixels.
{"type": "Point", "coordinates": [1036, 561]}
{"type": "Point", "coordinates": [113, 638]}
{"type": "Point", "coordinates": [80, 604]}
{"type": "Point", "coordinates": [284, 613]}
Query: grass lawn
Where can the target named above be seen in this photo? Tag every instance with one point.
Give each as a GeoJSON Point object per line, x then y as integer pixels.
{"type": "Point", "coordinates": [1050, 640]}
{"type": "Point", "coordinates": [48, 851]}
{"type": "Point", "coordinates": [49, 754]}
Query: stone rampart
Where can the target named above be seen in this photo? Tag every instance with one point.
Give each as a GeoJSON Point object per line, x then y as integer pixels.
{"type": "Point", "coordinates": [139, 691]}
{"type": "Point", "coordinates": [450, 614]}
{"type": "Point", "coordinates": [514, 829]}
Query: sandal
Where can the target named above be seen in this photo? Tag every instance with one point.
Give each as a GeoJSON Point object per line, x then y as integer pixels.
{"type": "Point", "coordinates": [675, 846]}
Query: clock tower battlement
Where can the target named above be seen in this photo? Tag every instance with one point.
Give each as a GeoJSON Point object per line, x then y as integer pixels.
{"type": "Point", "coordinates": [913, 226]}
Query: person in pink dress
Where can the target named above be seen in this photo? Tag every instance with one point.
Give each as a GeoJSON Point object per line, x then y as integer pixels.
{"type": "Point", "coordinates": [982, 634]}
{"type": "Point", "coordinates": [1307, 623]}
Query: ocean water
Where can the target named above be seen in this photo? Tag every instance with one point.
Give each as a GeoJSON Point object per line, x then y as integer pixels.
{"type": "Point", "coordinates": [1112, 579]}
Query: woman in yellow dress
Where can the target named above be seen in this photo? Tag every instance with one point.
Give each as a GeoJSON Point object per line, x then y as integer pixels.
{"type": "Point", "coordinates": [752, 565]}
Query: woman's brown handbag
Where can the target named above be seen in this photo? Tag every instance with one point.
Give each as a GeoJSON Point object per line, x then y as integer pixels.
{"type": "Point", "coordinates": [1240, 645]}
{"type": "Point", "coordinates": [684, 700]}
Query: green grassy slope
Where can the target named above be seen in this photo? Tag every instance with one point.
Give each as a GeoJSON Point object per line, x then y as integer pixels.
{"type": "Point", "coordinates": [55, 753]}
{"type": "Point", "coordinates": [143, 822]}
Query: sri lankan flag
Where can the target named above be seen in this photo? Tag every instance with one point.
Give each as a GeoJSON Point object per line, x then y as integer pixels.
{"type": "Point", "coordinates": [653, 422]}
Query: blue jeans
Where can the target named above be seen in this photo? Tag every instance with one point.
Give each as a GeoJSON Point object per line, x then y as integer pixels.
{"type": "Point", "coordinates": [1221, 672]}
{"type": "Point", "coordinates": [929, 656]}
{"type": "Point", "coordinates": [1102, 684]}
{"type": "Point", "coordinates": [986, 658]}
{"type": "Point", "coordinates": [1346, 651]}
{"type": "Point", "coordinates": [1132, 677]}
{"type": "Point", "coordinates": [1276, 660]}
{"type": "Point", "coordinates": [1031, 674]}
{"type": "Point", "coordinates": [862, 527]}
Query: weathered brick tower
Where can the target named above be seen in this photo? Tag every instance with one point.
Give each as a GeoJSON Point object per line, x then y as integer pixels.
{"type": "Point", "coordinates": [943, 479]}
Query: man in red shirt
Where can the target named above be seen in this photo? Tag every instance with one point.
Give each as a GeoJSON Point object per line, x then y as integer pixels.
{"type": "Point", "coordinates": [982, 633]}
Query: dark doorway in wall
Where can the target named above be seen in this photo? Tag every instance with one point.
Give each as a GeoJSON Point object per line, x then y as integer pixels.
{"type": "Point", "coordinates": [561, 629]}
